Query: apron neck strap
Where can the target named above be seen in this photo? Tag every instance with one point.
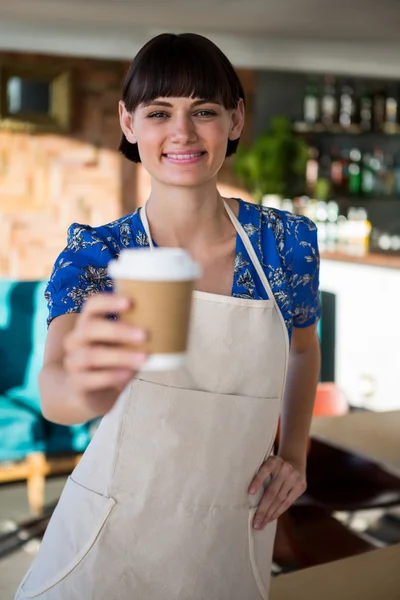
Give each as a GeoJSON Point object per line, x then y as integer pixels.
{"type": "Point", "coordinates": [250, 251]}
{"type": "Point", "coordinates": [145, 223]}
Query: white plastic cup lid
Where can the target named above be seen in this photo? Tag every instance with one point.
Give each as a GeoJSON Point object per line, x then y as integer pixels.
{"type": "Point", "coordinates": [159, 264]}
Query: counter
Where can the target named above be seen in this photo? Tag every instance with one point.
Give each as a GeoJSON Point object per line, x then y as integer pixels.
{"type": "Point", "coordinates": [366, 292]}
{"type": "Point", "coordinates": [368, 576]}
{"type": "Point", "coordinates": [387, 261]}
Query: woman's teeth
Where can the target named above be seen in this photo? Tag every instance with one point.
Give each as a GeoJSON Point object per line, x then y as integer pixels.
{"type": "Point", "coordinates": [184, 156]}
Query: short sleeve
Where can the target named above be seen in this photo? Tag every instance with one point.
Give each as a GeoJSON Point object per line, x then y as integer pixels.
{"type": "Point", "coordinates": [304, 278]}
{"type": "Point", "coordinates": [79, 271]}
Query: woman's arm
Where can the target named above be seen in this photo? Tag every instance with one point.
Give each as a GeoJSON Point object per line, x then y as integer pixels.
{"type": "Point", "coordinates": [288, 469]}
{"type": "Point", "coordinates": [299, 397]}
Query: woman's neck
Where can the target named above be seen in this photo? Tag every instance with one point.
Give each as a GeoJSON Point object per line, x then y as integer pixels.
{"type": "Point", "coordinates": [190, 218]}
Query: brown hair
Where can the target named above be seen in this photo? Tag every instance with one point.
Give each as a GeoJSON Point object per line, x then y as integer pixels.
{"type": "Point", "coordinates": [180, 65]}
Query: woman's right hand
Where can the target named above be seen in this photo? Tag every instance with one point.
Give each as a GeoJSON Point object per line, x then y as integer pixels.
{"type": "Point", "coordinates": [100, 357]}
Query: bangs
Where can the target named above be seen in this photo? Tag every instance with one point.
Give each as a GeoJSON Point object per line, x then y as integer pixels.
{"type": "Point", "coordinates": [185, 65]}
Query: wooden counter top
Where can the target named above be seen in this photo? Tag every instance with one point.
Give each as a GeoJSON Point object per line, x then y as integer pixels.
{"type": "Point", "coordinates": [369, 576]}
{"type": "Point", "coordinates": [387, 261]}
{"type": "Point", "coordinates": [374, 435]}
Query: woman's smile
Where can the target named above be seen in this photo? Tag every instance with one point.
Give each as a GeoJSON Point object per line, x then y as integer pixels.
{"type": "Point", "coordinates": [184, 157]}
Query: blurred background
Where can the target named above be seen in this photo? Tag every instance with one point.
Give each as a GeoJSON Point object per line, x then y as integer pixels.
{"type": "Point", "coordinates": [322, 81]}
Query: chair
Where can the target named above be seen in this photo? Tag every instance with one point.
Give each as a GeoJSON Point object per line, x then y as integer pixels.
{"type": "Point", "coordinates": [342, 481]}
{"type": "Point", "coordinates": [330, 400]}
{"type": "Point", "coordinates": [31, 447]}
{"type": "Point", "coordinates": [339, 480]}
{"type": "Point", "coordinates": [310, 535]}
{"type": "Point", "coordinates": [34, 468]}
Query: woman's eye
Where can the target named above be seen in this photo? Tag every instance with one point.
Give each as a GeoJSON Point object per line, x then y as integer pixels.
{"type": "Point", "coordinates": [205, 113]}
{"type": "Point", "coordinates": [157, 115]}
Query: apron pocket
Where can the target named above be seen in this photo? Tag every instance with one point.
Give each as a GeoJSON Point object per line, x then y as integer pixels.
{"type": "Point", "coordinates": [67, 541]}
{"type": "Point", "coordinates": [261, 545]}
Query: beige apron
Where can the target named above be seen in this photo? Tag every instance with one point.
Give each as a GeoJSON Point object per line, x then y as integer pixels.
{"type": "Point", "coordinates": [158, 507]}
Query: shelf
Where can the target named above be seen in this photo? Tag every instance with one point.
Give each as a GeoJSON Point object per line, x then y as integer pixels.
{"type": "Point", "coordinates": [344, 198]}
{"type": "Point", "coordinates": [301, 127]}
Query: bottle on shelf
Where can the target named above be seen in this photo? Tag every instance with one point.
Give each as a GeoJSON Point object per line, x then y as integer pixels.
{"type": "Point", "coordinates": [358, 230]}
{"type": "Point", "coordinates": [379, 166]}
{"type": "Point", "coordinates": [389, 183]}
{"type": "Point", "coordinates": [321, 218]}
{"type": "Point", "coordinates": [378, 110]}
{"type": "Point", "coordinates": [396, 174]}
{"type": "Point", "coordinates": [367, 175]}
{"type": "Point", "coordinates": [366, 112]}
{"type": "Point", "coordinates": [354, 185]}
{"type": "Point", "coordinates": [347, 106]}
{"type": "Point", "coordinates": [341, 233]}
{"type": "Point", "coordinates": [312, 170]}
{"type": "Point", "coordinates": [336, 170]}
{"type": "Point", "coordinates": [391, 110]}
{"type": "Point", "coordinates": [332, 226]}
{"type": "Point", "coordinates": [329, 102]}
{"type": "Point", "coordinates": [323, 186]}
{"type": "Point", "coordinates": [311, 103]}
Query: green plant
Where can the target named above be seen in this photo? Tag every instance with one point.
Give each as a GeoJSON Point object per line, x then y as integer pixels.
{"type": "Point", "coordinates": [275, 163]}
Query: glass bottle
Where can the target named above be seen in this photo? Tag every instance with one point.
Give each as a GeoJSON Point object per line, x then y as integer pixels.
{"type": "Point", "coordinates": [329, 102]}
{"type": "Point", "coordinates": [367, 176]}
{"type": "Point", "coordinates": [336, 170]}
{"type": "Point", "coordinates": [378, 110]}
{"type": "Point", "coordinates": [312, 170]}
{"type": "Point", "coordinates": [355, 172]}
{"type": "Point", "coordinates": [379, 166]}
{"type": "Point", "coordinates": [346, 105]}
{"type": "Point", "coordinates": [391, 110]}
{"type": "Point", "coordinates": [396, 172]}
{"type": "Point", "coordinates": [311, 103]}
{"type": "Point", "coordinates": [366, 112]}
{"type": "Point", "coordinates": [345, 160]}
{"type": "Point", "coordinates": [390, 175]}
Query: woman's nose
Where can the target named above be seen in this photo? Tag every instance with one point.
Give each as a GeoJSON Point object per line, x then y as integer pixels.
{"type": "Point", "coordinates": [183, 130]}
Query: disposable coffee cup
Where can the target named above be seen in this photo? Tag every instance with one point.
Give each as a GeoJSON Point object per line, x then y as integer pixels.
{"type": "Point", "coordinates": [160, 283]}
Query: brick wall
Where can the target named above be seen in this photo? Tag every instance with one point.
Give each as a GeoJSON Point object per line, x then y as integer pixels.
{"type": "Point", "coordinates": [49, 181]}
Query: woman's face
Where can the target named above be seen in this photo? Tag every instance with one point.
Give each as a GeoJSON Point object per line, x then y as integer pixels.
{"type": "Point", "coordinates": [182, 141]}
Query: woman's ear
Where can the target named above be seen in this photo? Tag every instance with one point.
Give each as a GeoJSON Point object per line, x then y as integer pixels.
{"type": "Point", "coordinates": [237, 121]}
{"type": "Point", "coordinates": [126, 122]}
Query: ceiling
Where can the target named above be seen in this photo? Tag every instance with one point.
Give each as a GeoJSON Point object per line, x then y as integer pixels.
{"type": "Point", "coordinates": [321, 19]}
{"type": "Point", "coordinates": [352, 33]}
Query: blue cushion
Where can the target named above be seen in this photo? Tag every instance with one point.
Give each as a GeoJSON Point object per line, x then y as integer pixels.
{"type": "Point", "coordinates": [23, 330]}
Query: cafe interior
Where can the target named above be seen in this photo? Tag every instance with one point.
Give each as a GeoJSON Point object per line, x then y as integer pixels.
{"type": "Point", "coordinates": [322, 139]}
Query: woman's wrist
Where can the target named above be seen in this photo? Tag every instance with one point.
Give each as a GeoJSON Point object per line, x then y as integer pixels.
{"type": "Point", "coordinates": [298, 461]}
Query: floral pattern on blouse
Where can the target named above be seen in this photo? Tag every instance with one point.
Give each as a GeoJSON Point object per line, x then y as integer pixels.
{"type": "Point", "coordinates": [285, 244]}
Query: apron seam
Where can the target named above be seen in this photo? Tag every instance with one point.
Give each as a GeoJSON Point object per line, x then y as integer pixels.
{"type": "Point", "coordinates": [120, 437]}
{"type": "Point", "coordinates": [88, 489]}
{"type": "Point", "coordinates": [244, 506]}
{"type": "Point", "coordinates": [225, 299]}
{"type": "Point", "coordinates": [184, 389]}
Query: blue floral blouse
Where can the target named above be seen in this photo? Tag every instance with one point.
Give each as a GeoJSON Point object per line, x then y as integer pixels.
{"type": "Point", "coordinates": [286, 246]}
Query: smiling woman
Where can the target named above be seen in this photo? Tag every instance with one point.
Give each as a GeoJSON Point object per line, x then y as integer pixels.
{"type": "Point", "coordinates": [181, 131]}
{"type": "Point", "coordinates": [177, 495]}
{"type": "Point", "coordinates": [184, 66]}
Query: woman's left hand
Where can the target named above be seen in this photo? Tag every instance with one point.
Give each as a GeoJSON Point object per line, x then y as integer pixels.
{"type": "Point", "coordinates": [288, 482]}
